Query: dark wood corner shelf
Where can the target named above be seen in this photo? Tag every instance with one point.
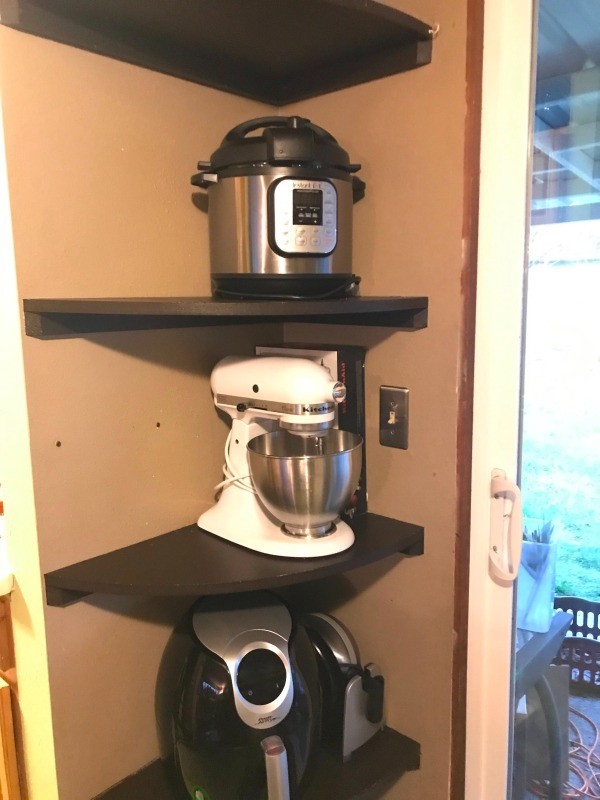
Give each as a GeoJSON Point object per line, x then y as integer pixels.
{"type": "Point", "coordinates": [269, 50]}
{"type": "Point", "coordinates": [191, 562]}
{"type": "Point", "coordinates": [373, 768]}
{"type": "Point", "coordinates": [60, 318]}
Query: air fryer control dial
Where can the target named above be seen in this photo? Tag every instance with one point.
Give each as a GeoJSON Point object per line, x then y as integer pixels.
{"type": "Point", "coordinates": [261, 676]}
{"type": "Point", "coordinates": [304, 217]}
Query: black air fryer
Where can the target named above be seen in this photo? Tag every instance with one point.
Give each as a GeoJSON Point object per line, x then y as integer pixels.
{"type": "Point", "coordinates": [238, 701]}
{"type": "Point", "coordinates": [280, 197]}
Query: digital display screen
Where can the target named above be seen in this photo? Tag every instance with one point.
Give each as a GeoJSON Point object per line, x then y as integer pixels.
{"type": "Point", "coordinates": [308, 207]}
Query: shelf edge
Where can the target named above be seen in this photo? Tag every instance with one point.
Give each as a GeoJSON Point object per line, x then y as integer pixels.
{"type": "Point", "coordinates": [64, 589]}
{"type": "Point", "coordinates": [70, 318]}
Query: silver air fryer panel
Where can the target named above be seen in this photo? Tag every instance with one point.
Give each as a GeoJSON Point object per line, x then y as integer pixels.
{"type": "Point", "coordinates": [253, 642]}
{"type": "Point", "coordinates": [305, 217]}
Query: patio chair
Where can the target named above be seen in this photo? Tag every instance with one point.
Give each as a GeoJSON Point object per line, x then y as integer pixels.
{"type": "Point", "coordinates": [580, 649]}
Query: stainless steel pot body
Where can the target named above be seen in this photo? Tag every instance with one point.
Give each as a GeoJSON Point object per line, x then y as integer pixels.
{"type": "Point", "coordinates": [240, 210]}
{"type": "Point", "coordinates": [305, 482]}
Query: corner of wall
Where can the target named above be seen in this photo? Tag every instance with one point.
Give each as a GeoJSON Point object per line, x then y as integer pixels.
{"type": "Point", "coordinates": [34, 721]}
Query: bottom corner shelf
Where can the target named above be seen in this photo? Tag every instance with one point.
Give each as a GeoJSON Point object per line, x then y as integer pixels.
{"type": "Point", "coordinates": [370, 772]}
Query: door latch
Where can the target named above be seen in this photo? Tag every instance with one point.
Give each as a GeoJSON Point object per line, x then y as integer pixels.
{"type": "Point", "coordinates": [506, 527]}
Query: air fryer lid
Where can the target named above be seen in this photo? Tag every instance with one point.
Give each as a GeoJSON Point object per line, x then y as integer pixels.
{"type": "Point", "coordinates": [283, 141]}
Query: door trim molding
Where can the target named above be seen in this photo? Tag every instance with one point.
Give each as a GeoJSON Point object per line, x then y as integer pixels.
{"type": "Point", "coordinates": [464, 435]}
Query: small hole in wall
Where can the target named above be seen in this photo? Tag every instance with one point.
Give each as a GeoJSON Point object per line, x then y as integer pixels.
{"type": "Point", "coordinates": [158, 424]}
{"type": "Point", "coordinates": [58, 443]}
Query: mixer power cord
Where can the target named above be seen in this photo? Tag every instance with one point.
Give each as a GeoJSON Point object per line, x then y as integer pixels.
{"type": "Point", "coordinates": [584, 763]}
{"type": "Point", "coordinates": [231, 476]}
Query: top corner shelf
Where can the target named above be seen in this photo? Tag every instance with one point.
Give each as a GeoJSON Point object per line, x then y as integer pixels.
{"type": "Point", "coordinates": [59, 318]}
{"type": "Point", "coordinates": [276, 51]}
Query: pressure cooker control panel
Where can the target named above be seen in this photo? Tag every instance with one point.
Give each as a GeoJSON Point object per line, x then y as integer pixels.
{"type": "Point", "coordinates": [304, 217]}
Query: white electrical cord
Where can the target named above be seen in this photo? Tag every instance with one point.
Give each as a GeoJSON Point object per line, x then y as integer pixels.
{"type": "Point", "coordinates": [230, 474]}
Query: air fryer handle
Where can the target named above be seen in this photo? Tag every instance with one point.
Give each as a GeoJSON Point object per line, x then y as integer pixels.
{"type": "Point", "coordinates": [276, 767]}
{"type": "Point", "coordinates": [374, 686]}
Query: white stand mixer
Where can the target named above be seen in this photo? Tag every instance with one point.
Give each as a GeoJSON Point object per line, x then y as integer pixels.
{"type": "Point", "coordinates": [261, 394]}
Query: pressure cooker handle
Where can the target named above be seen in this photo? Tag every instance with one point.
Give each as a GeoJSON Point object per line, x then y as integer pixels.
{"type": "Point", "coordinates": [250, 125]}
{"type": "Point", "coordinates": [358, 187]}
{"type": "Point", "coordinates": [205, 177]}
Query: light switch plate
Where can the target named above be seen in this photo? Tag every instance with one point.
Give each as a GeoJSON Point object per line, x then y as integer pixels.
{"type": "Point", "coordinates": [393, 417]}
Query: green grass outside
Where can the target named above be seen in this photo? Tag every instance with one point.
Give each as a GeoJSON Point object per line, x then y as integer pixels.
{"type": "Point", "coordinates": [577, 571]}
{"type": "Point", "coordinates": [560, 473]}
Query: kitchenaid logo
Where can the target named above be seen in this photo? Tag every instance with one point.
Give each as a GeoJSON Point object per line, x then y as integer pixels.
{"type": "Point", "coordinates": [316, 409]}
{"type": "Point", "coordinates": [323, 408]}
{"type": "Point", "coordinates": [264, 720]}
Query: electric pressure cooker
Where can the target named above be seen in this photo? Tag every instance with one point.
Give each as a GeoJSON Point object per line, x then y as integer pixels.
{"type": "Point", "coordinates": [238, 701]}
{"type": "Point", "coordinates": [280, 211]}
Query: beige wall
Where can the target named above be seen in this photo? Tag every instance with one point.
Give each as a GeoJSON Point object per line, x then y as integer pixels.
{"type": "Point", "coordinates": [99, 157]}
{"type": "Point", "coordinates": [408, 133]}
{"type": "Point", "coordinates": [32, 714]}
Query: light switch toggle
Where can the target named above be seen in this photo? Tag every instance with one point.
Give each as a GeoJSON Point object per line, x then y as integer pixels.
{"type": "Point", "coordinates": [393, 417]}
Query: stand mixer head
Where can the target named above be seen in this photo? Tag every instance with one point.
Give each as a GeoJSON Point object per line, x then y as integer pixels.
{"type": "Point", "coordinates": [297, 393]}
{"type": "Point", "coordinates": [265, 396]}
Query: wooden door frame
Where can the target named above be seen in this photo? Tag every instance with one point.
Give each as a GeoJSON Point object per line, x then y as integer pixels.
{"type": "Point", "coordinates": [489, 386]}
{"type": "Point", "coordinates": [464, 443]}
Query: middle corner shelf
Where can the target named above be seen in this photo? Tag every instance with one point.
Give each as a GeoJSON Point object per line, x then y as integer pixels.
{"type": "Point", "coordinates": [50, 318]}
{"type": "Point", "coordinates": [191, 562]}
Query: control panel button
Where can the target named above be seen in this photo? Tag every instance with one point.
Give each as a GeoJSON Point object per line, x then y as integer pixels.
{"type": "Point", "coordinates": [300, 240]}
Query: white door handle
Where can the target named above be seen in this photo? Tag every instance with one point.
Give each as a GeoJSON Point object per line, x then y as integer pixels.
{"type": "Point", "coordinates": [506, 527]}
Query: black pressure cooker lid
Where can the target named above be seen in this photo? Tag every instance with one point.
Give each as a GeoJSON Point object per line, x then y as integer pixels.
{"type": "Point", "coordinates": [283, 141]}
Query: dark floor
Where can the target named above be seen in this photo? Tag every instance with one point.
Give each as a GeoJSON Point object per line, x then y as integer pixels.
{"type": "Point", "coordinates": [588, 732]}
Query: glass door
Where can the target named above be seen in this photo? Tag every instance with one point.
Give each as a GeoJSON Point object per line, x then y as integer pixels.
{"type": "Point", "coordinates": [559, 703]}
{"type": "Point", "coordinates": [540, 172]}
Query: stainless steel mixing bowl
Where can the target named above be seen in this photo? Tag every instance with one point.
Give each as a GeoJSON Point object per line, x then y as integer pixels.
{"type": "Point", "coordinates": [305, 481]}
